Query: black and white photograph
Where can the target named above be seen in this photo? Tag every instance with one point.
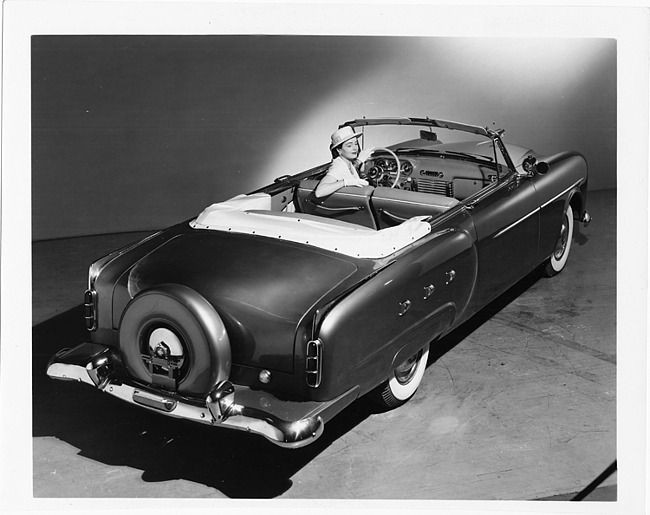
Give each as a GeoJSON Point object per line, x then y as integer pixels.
{"type": "Point", "coordinates": [324, 256]}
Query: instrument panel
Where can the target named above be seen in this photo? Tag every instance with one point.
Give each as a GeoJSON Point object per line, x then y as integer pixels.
{"type": "Point", "coordinates": [430, 174]}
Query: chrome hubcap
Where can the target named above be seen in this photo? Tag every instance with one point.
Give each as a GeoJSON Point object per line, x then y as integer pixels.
{"type": "Point", "coordinates": [165, 357]}
{"type": "Point", "coordinates": [163, 343]}
{"type": "Point", "coordinates": [405, 372]}
{"type": "Point", "coordinates": [562, 241]}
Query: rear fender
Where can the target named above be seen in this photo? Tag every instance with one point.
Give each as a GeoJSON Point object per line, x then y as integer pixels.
{"type": "Point", "coordinates": [430, 328]}
{"type": "Point", "coordinates": [422, 295]}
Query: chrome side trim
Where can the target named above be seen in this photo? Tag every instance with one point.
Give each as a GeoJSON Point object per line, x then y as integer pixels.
{"type": "Point", "coordinates": [506, 229]}
{"type": "Point", "coordinates": [577, 183]}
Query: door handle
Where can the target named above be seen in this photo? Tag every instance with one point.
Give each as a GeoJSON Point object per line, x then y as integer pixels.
{"type": "Point", "coordinates": [336, 209]}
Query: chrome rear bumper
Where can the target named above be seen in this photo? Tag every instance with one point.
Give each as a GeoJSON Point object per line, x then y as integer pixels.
{"type": "Point", "coordinates": [227, 405]}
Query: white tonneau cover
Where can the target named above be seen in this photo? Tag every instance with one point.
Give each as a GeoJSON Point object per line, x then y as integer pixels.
{"type": "Point", "coordinates": [251, 214]}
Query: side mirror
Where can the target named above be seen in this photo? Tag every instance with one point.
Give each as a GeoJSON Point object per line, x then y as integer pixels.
{"type": "Point", "coordinates": [532, 166]}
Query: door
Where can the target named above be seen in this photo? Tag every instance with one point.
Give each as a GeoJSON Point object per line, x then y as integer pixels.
{"type": "Point", "coordinates": [506, 218]}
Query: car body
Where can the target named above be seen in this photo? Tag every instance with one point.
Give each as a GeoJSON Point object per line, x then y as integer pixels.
{"type": "Point", "coordinates": [272, 311]}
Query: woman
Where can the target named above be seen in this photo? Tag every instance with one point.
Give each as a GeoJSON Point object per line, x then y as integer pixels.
{"type": "Point", "coordinates": [346, 160]}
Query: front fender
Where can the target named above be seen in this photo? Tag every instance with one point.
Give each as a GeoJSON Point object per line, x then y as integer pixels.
{"type": "Point", "coordinates": [565, 183]}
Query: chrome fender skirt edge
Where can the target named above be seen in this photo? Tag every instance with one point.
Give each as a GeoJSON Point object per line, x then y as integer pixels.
{"type": "Point", "coordinates": [289, 424]}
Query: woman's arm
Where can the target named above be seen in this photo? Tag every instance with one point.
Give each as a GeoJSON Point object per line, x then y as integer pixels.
{"type": "Point", "coordinates": [337, 176]}
{"type": "Point", "coordinates": [328, 185]}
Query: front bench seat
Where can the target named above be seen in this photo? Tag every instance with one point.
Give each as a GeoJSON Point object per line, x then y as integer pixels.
{"type": "Point", "coordinates": [393, 206]}
{"type": "Point", "coordinates": [349, 204]}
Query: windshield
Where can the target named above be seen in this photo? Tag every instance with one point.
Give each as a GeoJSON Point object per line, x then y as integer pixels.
{"type": "Point", "coordinates": [430, 140]}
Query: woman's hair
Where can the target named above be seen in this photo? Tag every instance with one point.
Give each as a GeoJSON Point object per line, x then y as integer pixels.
{"type": "Point", "coordinates": [335, 151]}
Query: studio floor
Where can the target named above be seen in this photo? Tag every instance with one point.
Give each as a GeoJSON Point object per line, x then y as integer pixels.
{"type": "Point", "coordinates": [518, 404]}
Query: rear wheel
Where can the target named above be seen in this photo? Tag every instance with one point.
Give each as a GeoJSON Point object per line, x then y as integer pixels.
{"type": "Point", "coordinates": [403, 382]}
{"type": "Point", "coordinates": [172, 338]}
{"type": "Point", "coordinates": [557, 261]}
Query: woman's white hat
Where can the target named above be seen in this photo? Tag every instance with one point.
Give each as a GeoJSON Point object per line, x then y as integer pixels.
{"type": "Point", "coordinates": [342, 135]}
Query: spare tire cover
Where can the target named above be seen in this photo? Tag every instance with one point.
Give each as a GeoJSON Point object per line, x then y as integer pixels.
{"type": "Point", "coordinates": [193, 320]}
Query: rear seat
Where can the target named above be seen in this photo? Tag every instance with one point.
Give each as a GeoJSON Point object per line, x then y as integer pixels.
{"type": "Point", "coordinates": [392, 206]}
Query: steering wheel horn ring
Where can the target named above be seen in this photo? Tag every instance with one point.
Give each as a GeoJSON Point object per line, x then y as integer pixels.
{"type": "Point", "coordinates": [376, 172]}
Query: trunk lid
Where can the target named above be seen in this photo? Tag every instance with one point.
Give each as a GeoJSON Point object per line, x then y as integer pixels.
{"type": "Point", "coordinates": [260, 287]}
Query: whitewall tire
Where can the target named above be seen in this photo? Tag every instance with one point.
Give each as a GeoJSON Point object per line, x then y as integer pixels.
{"type": "Point", "coordinates": [403, 382]}
{"type": "Point", "coordinates": [557, 261]}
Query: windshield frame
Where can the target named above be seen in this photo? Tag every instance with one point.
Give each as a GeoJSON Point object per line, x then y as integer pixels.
{"type": "Point", "coordinates": [495, 135]}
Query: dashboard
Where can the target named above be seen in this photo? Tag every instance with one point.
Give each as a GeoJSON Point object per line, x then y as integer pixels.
{"type": "Point", "coordinates": [440, 174]}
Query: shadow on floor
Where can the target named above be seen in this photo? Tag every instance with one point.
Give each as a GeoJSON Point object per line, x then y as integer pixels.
{"type": "Point", "coordinates": [449, 341]}
{"type": "Point", "coordinates": [110, 431]}
{"type": "Point", "coordinates": [115, 433]}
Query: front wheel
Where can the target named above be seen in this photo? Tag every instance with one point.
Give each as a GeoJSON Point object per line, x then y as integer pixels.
{"type": "Point", "coordinates": [403, 382]}
{"type": "Point", "coordinates": [556, 262]}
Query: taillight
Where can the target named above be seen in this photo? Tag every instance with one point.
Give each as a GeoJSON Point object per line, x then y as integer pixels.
{"type": "Point", "coordinates": [314, 363]}
{"type": "Point", "coordinates": [90, 309]}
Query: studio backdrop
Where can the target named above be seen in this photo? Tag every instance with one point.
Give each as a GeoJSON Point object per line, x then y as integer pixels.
{"type": "Point", "coordinates": [133, 133]}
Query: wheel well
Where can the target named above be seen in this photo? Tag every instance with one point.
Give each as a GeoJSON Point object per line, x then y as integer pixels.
{"type": "Point", "coordinates": [576, 204]}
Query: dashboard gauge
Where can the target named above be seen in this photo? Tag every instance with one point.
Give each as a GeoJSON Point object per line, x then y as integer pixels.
{"type": "Point", "coordinates": [374, 172]}
{"type": "Point", "coordinates": [406, 168]}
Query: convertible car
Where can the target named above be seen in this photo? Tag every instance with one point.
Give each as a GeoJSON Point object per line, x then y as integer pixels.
{"type": "Point", "coordinates": [272, 311]}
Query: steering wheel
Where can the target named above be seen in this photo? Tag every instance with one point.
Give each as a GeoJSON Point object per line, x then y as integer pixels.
{"type": "Point", "coordinates": [396, 180]}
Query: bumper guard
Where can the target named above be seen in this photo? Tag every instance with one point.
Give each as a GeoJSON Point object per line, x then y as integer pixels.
{"type": "Point", "coordinates": [227, 405]}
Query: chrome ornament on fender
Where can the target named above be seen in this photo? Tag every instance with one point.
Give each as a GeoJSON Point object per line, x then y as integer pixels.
{"type": "Point", "coordinates": [404, 307]}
